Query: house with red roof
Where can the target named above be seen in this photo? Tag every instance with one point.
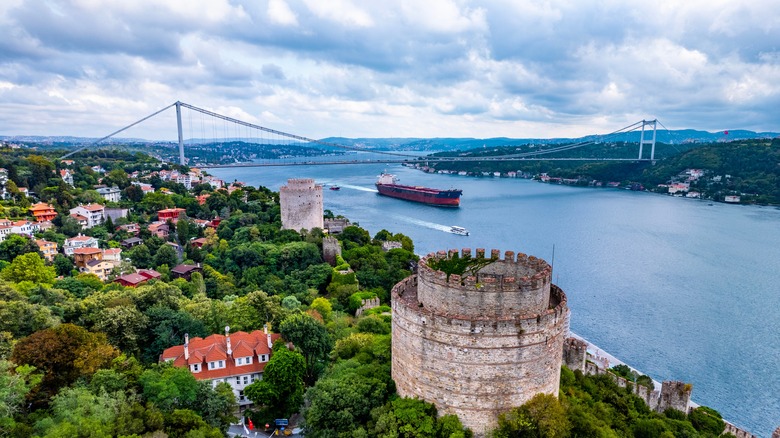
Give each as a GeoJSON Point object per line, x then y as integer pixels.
{"type": "Point", "coordinates": [43, 212]}
{"type": "Point", "coordinates": [170, 213]}
{"type": "Point", "coordinates": [236, 358]}
{"type": "Point", "coordinates": [83, 255]}
{"type": "Point", "coordinates": [131, 280]}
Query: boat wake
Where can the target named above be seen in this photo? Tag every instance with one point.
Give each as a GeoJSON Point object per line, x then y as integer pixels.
{"type": "Point", "coordinates": [362, 189]}
{"type": "Point", "coordinates": [426, 224]}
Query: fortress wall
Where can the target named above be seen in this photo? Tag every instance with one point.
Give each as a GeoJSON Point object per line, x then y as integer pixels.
{"type": "Point", "coordinates": [476, 365]}
{"type": "Point", "coordinates": [301, 205]}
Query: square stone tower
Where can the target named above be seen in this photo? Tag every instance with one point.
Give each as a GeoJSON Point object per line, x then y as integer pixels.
{"type": "Point", "coordinates": [301, 203]}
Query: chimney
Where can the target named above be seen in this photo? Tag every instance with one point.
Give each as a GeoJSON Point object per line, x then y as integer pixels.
{"type": "Point", "coordinates": [268, 336]}
{"type": "Point", "coordinates": [186, 346]}
{"type": "Point", "coordinates": [265, 328]}
{"type": "Point", "coordinates": [227, 339]}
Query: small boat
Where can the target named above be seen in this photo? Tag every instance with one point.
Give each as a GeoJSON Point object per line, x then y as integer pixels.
{"type": "Point", "coordinates": [459, 230]}
{"type": "Point", "coordinates": [335, 187]}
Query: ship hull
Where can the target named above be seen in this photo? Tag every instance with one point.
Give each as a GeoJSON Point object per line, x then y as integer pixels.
{"type": "Point", "coordinates": [443, 198]}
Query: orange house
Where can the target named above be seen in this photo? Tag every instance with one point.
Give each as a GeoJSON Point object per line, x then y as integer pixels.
{"type": "Point", "coordinates": [43, 212]}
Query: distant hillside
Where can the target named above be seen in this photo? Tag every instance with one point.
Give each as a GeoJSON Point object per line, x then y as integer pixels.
{"type": "Point", "coordinates": [677, 137]}
{"type": "Point", "coordinates": [681, 136]}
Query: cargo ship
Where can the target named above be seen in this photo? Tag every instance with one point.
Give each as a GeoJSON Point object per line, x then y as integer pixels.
{"type": "Point", "coordinates": [387, 185]}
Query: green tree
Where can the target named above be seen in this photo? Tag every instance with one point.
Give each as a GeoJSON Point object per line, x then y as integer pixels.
{"type": "Point", "coordinates": [323, 307]}
{"type": "Point", "coordinates": [41, 169]}
{"type": "Point", "coordinates": [166, 255]}
{"type": "Point", "coordinates": [16, 245]}
{"type": "Point", "coordinates": [15, 383]}
{"type": "Point", "coordinates": [63, 265]}
{"type": "Point", "coordinates": [123, 325]}
{"type": "Point", "coordinates": [414, 418]}
{"type": "Point", "coordinates": [543, 416]}
{"type": "Point", "coordinates": [281, 389]}
{"type": "Point", "coordinates": [169, 387]}
{"type": "Point", "coordinates": [707, 420]}
{"type": "Point", "coordinates": [29, 267]}
{"type": "Point", "coordinates": [141, 256]}
{"type": "Point", "coordinates": [70, 226]}
{"type": "Point", "coordinates": [342, 402]}
{"type": "Point", "coordinates": [311, 337]}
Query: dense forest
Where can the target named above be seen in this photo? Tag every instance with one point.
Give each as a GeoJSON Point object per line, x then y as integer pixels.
{"type": "Point", "coordinates": [749, 168]}
{"type": "Point", "coordinates": [80, 357]}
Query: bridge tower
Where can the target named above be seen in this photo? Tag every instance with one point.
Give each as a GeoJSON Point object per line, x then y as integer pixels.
{"type": "Point", "coordinates": [181, 137]}
{"type": "Point", "coordinates": [651, 142]}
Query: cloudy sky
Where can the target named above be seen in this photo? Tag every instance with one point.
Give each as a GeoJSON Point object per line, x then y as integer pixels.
{"type": "Point", "coordinates": [391, 68]}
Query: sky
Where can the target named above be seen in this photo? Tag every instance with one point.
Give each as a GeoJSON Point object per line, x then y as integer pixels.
{"type": "Point", "coordinates": [390, 68]}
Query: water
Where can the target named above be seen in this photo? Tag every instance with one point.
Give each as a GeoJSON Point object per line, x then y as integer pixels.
{"type": "Point", "coordinates": [676, 288]}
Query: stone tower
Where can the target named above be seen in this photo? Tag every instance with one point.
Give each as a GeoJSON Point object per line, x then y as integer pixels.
{"type": "Point", "coordinates": [478, 345]}
{"type": "Point", "coordinates": [301, 204]}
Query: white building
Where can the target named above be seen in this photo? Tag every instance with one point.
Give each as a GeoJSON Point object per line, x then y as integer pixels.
{"type": "Point", "coordinates": [110, 194]}
{"type": "Point", "coordinates": [236, 358]}
{"type": "Point", "coordinates": [95, 213]}
{"type": "Point", "coordinates": [78, 242]}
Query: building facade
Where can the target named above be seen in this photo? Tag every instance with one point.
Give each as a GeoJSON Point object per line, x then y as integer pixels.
{"type": "Point", "coordinates": [48, 249]}
{"type": "Point", "coordinates": [78, 242]}
{"type": "Point", "coordinates": [43, 212]}
{"type": "Point", "coordinates": [95, 214]}
{"type": "Point", "coordinates": [110, 194]}
{"type": "Point", "coordinates": [301, 204]}
{"type": "Point", "coordinates": [236, 358]}
{"type": "Point", "coordinates": [479, 344]}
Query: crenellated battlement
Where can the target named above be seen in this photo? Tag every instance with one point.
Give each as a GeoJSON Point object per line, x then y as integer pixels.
{"type": "Point", "coordinates": [504, 286]}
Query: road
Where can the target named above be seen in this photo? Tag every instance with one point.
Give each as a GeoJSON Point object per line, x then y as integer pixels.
{"type": "Point", "coordinates": [239, 431]}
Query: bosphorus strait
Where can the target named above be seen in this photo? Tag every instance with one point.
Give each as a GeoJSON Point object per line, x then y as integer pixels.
{"type": "Point", "coordinates": [677, 288]}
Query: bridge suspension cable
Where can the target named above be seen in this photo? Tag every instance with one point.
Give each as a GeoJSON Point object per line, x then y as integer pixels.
{"type": "Point", "coordinates": [397, 157]}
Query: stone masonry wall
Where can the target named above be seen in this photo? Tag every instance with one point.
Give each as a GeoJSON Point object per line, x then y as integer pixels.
{"type": "Point", "coordinates": [477, 365]}
{"type": "Point", "coordinates": [330, 249]}
{"type": "Point", "coordinates": [301, 205]}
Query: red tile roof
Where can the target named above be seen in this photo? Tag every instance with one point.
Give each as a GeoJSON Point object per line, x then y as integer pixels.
{"type": "Point", "coordinates": [214, 348]}
{"type": "Point", "coordinates": [87, 250]}
{"type": "Point", "coordinates": [133, 279]}
{"type": "Point", "coordinates": [149, 273]}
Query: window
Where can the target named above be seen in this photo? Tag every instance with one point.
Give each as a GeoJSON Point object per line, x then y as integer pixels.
{"type": "Point", "coordinates": [211, 365]}
{"type": "Point", "coordinates": [246, 380]}
{"type": "Point", "coordinates": [195, 367]}
{"type": "Point", "coordinates": [248, 360]}
{"type": "Point", "coordinates": [222, 364]}
{"type": "Point", "coordinates": [238, 380]}
{"type": "Point", "coordinates": [239, 360]}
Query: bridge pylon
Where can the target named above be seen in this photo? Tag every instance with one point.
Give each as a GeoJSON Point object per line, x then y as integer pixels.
{"type": "Point", "coordinates": [181, 136]}
{"type": "Point", "coordinates": [650, 141]}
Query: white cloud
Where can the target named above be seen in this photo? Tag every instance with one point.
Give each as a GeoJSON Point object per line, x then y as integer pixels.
{"type": "Point", "coordinates": [280, 13]}
{"type": "Point", "coordinates": [518, 68]}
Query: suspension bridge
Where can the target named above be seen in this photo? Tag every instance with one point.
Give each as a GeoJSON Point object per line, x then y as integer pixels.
{"type": "Point", "coordinates": [216, 138]}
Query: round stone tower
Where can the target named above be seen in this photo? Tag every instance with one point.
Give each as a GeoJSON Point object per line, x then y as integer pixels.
{"type": "Point", "coordinates": [479, 344]}
{"type": "Point", "coordinates": [301, 204]}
